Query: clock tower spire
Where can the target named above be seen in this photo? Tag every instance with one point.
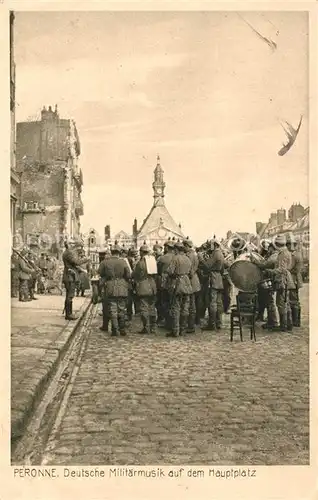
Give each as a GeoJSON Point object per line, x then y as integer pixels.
{"type": "Point", "coordinates": [158, 185]}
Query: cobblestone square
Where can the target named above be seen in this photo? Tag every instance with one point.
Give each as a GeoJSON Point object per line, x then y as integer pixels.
{"type": "Point", "coordinates": [199, 399]}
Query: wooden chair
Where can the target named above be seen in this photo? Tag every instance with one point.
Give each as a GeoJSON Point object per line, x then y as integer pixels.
{"type": "Point", "coordinates": [245, 309]}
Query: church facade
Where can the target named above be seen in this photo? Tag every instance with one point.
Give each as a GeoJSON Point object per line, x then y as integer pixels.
{"type": "Point", "coordinates": [159, 225]}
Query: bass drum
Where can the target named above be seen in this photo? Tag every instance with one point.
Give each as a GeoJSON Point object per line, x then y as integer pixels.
{"type": "Point", "coordinates": [244, 274]}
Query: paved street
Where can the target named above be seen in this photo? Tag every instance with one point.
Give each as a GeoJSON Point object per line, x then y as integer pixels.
{"type": "Point", "coordinates": [39, 334]}
{"type": "Point", "coordinates": [193, 400]}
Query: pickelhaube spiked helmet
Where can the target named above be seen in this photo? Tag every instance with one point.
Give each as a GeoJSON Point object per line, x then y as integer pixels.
{"type": "Point", "coordinates": [145, 249]}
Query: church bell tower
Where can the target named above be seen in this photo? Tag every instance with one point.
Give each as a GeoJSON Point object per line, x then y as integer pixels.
{"type": "Point", "coordinates": [158, 185]}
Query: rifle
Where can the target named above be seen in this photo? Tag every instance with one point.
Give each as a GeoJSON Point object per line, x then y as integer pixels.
{"type": "Point", "coordinates": [30, 264]}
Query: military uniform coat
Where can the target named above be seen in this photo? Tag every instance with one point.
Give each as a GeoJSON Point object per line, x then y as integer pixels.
{"type": "Point", "coordinates": [71, 261]}
{"type": "Point", "coordinates": [212, 267]}
{"type": "Point", "coordinates": [296, 268]}
{"type": "Point", "coordinates": [115, 274]}
{"type": "Point", "coordinates": [163, 263]}
{"type": "Point", "coordinates": [145, 283]}
{"type": "Point", "coordinates": [283, 277]}
{"type": "Point", "coordinates": [195, 282]}
{"type": "Point", "coordinates": [25, 271]}
{"type": "Point", "coordinates": [179, 272]}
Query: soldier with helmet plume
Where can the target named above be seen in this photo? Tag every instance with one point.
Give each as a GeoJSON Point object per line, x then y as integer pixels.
{"type": "Point", "coordinates": [296, 272]}
{"type": "Point", "coordinates": [116, 274]}
{"type": "Point", "coordinates": [212, 269]}
{"type": "Point", "coordinates": [179, 273]}
{"type": "Point", "coordinates": [103, 254]}
{"type": "Point", "coordinates": [163, 264]}
{"type": "Point", "coordinates": [194, 317]}
{"type": "Point", "coordinates": [278, 268]}
{"type": "Point", "coordinates": [144, 277]}
{"type": "Point", "coordinates": [132, 257]}
{"type": "Point", "coordinates": [72, 265]}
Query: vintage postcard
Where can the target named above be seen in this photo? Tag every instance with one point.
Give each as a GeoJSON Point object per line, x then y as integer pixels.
{"type": "Point", "coordinates": [158, 333]}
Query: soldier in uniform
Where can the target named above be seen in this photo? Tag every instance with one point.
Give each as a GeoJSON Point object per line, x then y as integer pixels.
{"type": "Point", "coordinates": [227, 284]}
{"type": "Point", "coordinates": [14, 275]}
{"type": "Point", "coordinates": [116, 274]}
{"type": "Point", "coordinates": [35, 272]}
{"type": "Point", "coordinates": [25, 273]}
{"type": "Point", "coordinates": [296, 272]}
{"type": "Point", "coordinates": [283, 283]}
{"type": "Point", "coordinates": [157, 250]}
{"type": "Point", "coordinates": [146, 289]}
{"type": "Point", "coordinates": [70, 277]}
{"type": "Point", "coordinates": [268, 294]}
{"type": "Point", "coordinates": [132, 299]}
{"type": "Point", "coordinates": [163, 264]}
{"type": "Point", "coordinates": [202, 300]}
{"type": "Point", "coordinates": [262, 292]}
{"type": "Point", "coordinates": [194, 317]}
{"type": "Point", "coordinates": [103, 254]}
{"type": "Point", "coordinates": [179, 272]}
{"type": "Point", "coordinates": [277, 267]}
{"type": "Point", "coordinates": [212, 268]}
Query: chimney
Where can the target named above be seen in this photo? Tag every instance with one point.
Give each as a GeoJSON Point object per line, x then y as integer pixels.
{"type": "Point", "coordinates": [135, 228]}
{"type": "Point", "coordinates": [107, 233]}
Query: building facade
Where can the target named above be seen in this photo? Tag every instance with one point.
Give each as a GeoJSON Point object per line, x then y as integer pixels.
{"type": "Point", "coordinates": [49, 204]}
{"type": "Point", "coordinates": [159, 225]}
{"type": "Point", "coordinates": [296, 225]}
{"type": "Point", "coordinates": [91, 243]}
{"type": "Point", "coordinates": [14, 175]}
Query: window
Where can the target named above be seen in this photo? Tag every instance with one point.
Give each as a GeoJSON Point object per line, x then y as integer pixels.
{"type": "Point", "coordinates": [31, 205]}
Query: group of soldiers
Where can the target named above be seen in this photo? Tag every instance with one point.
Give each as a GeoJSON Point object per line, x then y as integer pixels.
{"type": "Point", "coordinates": [30, 273]}
{"type": "Point", "coordinates": [175, 285]}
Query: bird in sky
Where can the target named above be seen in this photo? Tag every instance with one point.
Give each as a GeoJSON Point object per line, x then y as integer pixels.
{"type": "Point", "coordinates": [291, 133]}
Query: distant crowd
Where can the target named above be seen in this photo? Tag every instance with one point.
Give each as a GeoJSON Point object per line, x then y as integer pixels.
{"type": "Point", "coordinates": [33, 274]}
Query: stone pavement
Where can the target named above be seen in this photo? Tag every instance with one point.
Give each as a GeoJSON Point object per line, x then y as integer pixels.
{"type": "Point", "coordinates": [39, 335]}
{"type": "Point", "coordinates": [198, 399]}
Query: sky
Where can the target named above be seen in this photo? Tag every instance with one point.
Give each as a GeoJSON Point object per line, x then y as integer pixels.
{"type": "Point", "coordinates": [201, 89]}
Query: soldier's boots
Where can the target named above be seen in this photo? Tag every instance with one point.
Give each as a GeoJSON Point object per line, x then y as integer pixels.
{"type": "Point", "coordinates": [146, 327]}
{"type": "Point", "coordinates": [122, 326]}
{"type": "Point", "coordinates": [299, 317]}
{"type": "Point", "coordinates": [153, 324]}
{"type": "Point", "coordinates": [289, 322]}
{"type": "Point", "coordinates": [191, 324]}
{"type": "Point", "coordinates": [218, 320]}
{"type": "Point", "coordinates": [296, 313]}
{"type": "Point", "coordinates": [172, 334]}
{"type": "Point", "coordinates": [104, 327]}
{"type": "Point", "coordinates": [285, 322]}
{"type": "Point", "coordinates": [69, 316]}
{"type": "Point", "coordinates": [183, 325]}
{"type": "Point", "coordinates": [210, 327]}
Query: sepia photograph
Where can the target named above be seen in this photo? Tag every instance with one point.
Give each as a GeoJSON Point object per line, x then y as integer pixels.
{"type": "Point", "coordinates": [159, 211]}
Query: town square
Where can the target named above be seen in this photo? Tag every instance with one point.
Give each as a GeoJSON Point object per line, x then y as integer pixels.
{"type": "Point", "coordinates": [160, 255]}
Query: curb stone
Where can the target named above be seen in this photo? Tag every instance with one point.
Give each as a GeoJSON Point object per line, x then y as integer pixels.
{"type": "Point", "coordinates": [33, 387]}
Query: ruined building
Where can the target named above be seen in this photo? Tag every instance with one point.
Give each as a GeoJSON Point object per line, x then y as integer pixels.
{"type": "Point", "coordinates": [50, 204]}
